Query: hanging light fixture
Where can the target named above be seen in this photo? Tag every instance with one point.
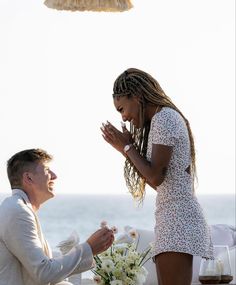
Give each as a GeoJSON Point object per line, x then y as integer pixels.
{"type": "Point", "coordinates": [90, 5]}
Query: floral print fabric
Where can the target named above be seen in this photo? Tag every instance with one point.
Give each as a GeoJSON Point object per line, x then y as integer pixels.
{"type": "Point", "coordinates": [180, 223]}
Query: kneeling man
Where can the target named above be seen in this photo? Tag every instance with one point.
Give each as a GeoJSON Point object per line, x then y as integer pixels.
{"type": "Point", "coordinates": [25, 256]}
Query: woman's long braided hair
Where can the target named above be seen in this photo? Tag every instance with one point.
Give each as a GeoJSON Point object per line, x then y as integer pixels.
{"type": "Point", "coordinates": [135, 82]}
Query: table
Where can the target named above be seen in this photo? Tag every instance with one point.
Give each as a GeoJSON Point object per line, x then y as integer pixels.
{"type": "Point", "coordinates": [90, 282]}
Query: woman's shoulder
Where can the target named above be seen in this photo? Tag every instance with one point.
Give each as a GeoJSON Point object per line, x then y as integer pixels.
{"type": "Point", "coordinates": [167, 113]}
{"type": "Point", "coordinates": [169, 119]}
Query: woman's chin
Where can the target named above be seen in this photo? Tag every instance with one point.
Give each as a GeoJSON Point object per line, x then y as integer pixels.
{"type": "Point", "coordinates": [135, 124]}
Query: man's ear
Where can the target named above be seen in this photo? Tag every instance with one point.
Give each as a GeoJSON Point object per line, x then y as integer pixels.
{"type": "Point", "coordinates": [27, 178]}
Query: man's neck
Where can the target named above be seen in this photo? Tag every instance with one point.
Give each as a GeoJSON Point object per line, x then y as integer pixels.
{"type": "Point", "coordinates": [34, 200]}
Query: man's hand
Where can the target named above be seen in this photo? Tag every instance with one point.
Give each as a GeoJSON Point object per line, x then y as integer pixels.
{"type": "Point", "coordinates": [101, 240]}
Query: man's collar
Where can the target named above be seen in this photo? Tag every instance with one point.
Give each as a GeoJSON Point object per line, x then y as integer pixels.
{"type": "Point", "coordinates": [23, 195]}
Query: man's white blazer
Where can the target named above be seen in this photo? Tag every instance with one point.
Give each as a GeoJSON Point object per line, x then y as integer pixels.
{"type": "Point", "coordinates": [25, 256]}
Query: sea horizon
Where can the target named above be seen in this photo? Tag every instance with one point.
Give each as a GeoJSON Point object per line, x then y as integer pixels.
{"type": "Point", "coordinates": [83, 213]}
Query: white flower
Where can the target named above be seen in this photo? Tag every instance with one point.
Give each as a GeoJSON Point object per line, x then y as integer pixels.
{"type": "Point", "coordinates": [103, 224]}
{"type": "Point", "coordinates": [144, 271]}
{"type": "Point", "coordinates": [121, 264]}
{"type": "Point", "coordinates": [114, 229]}
{"type": "Point", "coordinates": [117, 273]}
{"type": "Point", "coordinates": [124, 238]}
{"type": "Point", "coordinates": [105, 255]}
{"type": "Point", "coordinates": [152, 246]}
{"type": "Point", "coordinates": [116, 282]}
{"type": "Point", "coordinates": [97, 279]}
{"type": "Point", "coordinates": [133, 233]}
{"type": "Point", "coordinates": [140, 278]}
{"type": "Point", "coordinates": [119, 250]}
{"type": "Point", "coordinates": [107, 265]}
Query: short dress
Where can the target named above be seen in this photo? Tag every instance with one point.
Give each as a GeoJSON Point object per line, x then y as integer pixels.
{"type": "Point", "coordinates": [180, 223]}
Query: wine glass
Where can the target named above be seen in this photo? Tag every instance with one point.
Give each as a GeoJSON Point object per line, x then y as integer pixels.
{"type": "Point", "coordinates": [210, 272]}
{"type": "Point", "coordinates": [221, 253]}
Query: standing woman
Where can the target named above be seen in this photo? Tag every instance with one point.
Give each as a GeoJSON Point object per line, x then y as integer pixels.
{"type": "Point", "coordinates": [159, 151]}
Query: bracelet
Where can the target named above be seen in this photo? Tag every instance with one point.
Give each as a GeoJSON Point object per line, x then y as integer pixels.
{"type": "Point", "coordinates": [127, 147]}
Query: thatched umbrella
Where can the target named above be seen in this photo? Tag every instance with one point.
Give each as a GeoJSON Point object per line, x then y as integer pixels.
{"type": "Point", "coordinates": [90, 5]}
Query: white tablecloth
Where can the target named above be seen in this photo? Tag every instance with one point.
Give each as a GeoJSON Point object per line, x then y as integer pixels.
{"type": "Point", "coordinates": [87, 282]}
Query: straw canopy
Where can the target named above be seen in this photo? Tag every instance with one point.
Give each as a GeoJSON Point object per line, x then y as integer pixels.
{"type": "Point", "coordinates": [90, 5]}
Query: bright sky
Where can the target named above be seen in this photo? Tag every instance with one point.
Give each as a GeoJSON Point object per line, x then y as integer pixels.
{"type": "Point", "coordinates": [57, 71]}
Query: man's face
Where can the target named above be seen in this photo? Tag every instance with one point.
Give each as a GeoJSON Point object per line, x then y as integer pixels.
{"type": "Point", "coordinates": [43, 180]}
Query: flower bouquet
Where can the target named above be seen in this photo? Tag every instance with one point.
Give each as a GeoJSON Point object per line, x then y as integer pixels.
{"type": "Point", "coordinates": [121, 264]}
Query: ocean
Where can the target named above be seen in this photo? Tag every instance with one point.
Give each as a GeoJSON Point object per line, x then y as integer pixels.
{"type": "Point", "coordinates": [63, 214]}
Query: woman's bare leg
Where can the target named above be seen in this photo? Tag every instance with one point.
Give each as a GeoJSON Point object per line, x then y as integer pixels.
{"type": "Point", "coordinates": [174, 268]}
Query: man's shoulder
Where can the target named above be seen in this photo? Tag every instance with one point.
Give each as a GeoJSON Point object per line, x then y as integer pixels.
{"type": "Point", "coordinates": [13, 205]}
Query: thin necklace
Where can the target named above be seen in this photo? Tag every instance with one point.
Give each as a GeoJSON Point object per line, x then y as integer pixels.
{"type": "Point", "coordinates": [158, 109]}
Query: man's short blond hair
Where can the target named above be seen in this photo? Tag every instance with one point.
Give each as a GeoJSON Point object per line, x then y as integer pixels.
{"type": "Point", "coordinates": [24, 161]}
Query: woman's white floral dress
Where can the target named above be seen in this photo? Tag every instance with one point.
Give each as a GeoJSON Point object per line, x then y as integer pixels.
{"type": "Point", "coordinates": [180, 223]}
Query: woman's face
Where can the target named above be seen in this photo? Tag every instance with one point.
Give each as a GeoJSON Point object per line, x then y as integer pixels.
{"type": "Point", "coordinates": [129, 109]}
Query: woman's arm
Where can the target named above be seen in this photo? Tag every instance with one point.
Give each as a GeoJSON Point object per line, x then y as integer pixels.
{"type": "Point", "coordinates": [155, 170]}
